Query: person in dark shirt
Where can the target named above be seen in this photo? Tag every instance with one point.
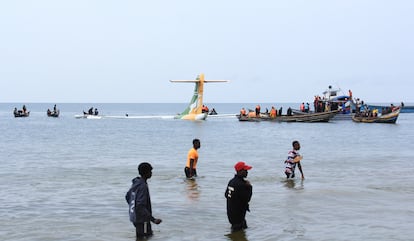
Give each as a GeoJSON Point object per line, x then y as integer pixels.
{"type": "Point", "coordinates": [238, 195]}
{"type": "Point", "coordinates": [142, 205]}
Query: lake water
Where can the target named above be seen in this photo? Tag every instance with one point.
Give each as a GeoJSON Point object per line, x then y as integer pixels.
{"type": "Point", "coordinates": [65, 178]}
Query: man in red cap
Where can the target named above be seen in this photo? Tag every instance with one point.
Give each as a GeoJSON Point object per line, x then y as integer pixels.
{"type": "Point", "coordinates": [238, 195]}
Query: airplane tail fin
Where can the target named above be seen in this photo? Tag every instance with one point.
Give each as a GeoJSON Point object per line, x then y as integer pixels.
{"type": "Point", "coordinates": [196, 102]}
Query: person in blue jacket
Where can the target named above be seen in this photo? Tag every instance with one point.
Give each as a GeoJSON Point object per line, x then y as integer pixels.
{"type": "Point", "coordinates": [139, 201]}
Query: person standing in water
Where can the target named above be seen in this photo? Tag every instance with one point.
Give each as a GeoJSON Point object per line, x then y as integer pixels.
{"type": "Point", "coordinates": [294, 159]}
{"type": "Point", "coordinates": [190, 169]}
{"type": "Point", "coordinates": [139, 201]}
{"type": "Point", "coordinates": [238, 194]}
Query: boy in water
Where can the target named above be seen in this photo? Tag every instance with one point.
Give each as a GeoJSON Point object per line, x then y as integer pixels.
{"type": "Point", "coordinates": [293, 159]}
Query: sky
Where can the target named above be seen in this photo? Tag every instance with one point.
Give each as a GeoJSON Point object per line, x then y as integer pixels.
{"type": "Point", "coordinates": [101, 51]}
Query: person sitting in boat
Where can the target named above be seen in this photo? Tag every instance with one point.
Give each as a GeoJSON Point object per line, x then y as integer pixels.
{"type": "Point", "coordinates": [90, 111]}
{"type": "Point", "coordinates": [213, 112]}
{"type": "Point", "coordinates": [49, 112]}
{"type": "Point", "coordinates": [96, 112]}
{"type": "Point", "coordinates": [15, 111]}
{"type": "Point", "coordinates": [24, 109]}
{"type": "Point", "coordinates": [257, 110]}
{"type": "Point", "coordinates": [54, 109]}
{"type": "Point", "coordinates": [280, 111]}
{"type": "Point", "coordinates": [289, 111]}
{"type": "Point", "coordinates": [273, 112]}
{"type": "Point", "coordinates": [375, 113]}
{"type": "Point", "coordinates": [242, 112]}
{"type": "Point", "coordinates": [204, 109]}
{"type": "Point", "coordinates": [252, 114]}
{"type": "Point", "coordinates": [307, 107]}
{"type": "Point", "coordinates": [302, 107]}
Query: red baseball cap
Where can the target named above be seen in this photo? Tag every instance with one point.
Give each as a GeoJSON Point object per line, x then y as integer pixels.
{"type": "Point", "coordinates": [242, 166]}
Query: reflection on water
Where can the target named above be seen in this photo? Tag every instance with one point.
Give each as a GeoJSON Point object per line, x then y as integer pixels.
{"type": "Point", "coordinates": [294, 184]}
{"type": "Point", "coordinates": [193, 193]}
{"type": "Point", "coordinates": [237, 236]}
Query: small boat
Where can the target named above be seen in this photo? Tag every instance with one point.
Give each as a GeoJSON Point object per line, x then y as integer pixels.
{"type": "Point", "coordinates": [303, 117]}
{"type": "Point", "coordinates": [21, 114]}
{"type": "Point", "coordinates": [52, 113]}
{"type": "Point", "coordinates": [404, 108]}
{"type": "Point", "coordinates": [390, 118]}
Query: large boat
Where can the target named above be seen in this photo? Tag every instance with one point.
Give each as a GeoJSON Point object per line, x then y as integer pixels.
{"type": "Point", "coordinates": [303, 117]}
{"type": "Point", "coordinates": [333, 100]}
{"type": "Point", "coordinates": [390, 118]}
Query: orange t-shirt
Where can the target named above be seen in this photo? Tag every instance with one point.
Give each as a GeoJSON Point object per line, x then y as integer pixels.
{"type": "Point", "coordinates": [192, 154]}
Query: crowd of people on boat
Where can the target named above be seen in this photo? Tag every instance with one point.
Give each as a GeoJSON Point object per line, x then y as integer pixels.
{"type": "Point", "coordinates": [273, 113]}
{"type": "Point", "coordinates": [364, 111]}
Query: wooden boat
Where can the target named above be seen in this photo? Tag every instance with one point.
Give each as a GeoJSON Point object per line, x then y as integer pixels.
{"type": "Point", "coordinates": [21, 114]}
{"type": "Point", "coordinates": [390, 118]}
{"type": "Point", "coordinates": [404, 108]}
{"type": "Point", "coordinates": [53, 113]}
{"type": "Point", "coordinates": [305, 117]}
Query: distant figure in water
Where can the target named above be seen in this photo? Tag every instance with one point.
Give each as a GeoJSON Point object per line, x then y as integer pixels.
{"type": "Point", "coordinates": [126, 114]}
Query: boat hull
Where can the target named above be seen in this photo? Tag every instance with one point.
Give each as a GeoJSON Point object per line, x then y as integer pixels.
{"type": "Point", "coordinates": [390, 118]}
{"type": "Point", "coordinates": [307, 117]}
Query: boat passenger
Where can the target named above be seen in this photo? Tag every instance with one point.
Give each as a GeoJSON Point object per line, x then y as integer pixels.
{"type": "Point", "coordinates": [252, 114]}
{"type": "Point", "coordinates": [213, 112]}
{"type": "Point", "coordinates": [96, 111]}
{"type": "Point", "coordinates": [257, 110]}
{"type": "Point", "coordinates": [273, 112]}
{"type": "Point", "coordinates": [302, 107]}
{"type": "Point", "coordinates": [307, 107]}
{"type": "Point", "coordinates": [90, 111]}
{"type": "Point", "coordinates": [280, 111]}
{"type": "Point", "coordinates": [49, 112]}
{"type": "Point", "coordinates": [24, 109]}
{"type": "Point", "coordinates": [243, 112]}
{"type": "Point", "coordinates": [289, 111]}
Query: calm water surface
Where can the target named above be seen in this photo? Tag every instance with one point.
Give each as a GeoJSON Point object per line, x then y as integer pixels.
{"type": "Point", "coordinates": [65, 178]}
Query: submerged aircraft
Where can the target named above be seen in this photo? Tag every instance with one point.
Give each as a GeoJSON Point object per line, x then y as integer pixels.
{"type": "Point", "coordinates": [194, 108]}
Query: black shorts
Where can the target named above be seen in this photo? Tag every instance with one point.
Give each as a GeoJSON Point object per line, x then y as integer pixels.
{"type": "Point", "coordinates": [143, 230]}
{"type": "Point", "coordinates": [187, 172]}
{"type": "Point", "coordinates": [290, 175]}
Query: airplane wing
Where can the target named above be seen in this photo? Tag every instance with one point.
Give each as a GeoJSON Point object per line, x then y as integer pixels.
{"type": "Point", "coordinates": [194, 81]}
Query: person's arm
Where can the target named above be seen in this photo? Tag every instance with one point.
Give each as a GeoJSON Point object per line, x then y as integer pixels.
{"type": "Point", "coordinates": [300, 169]}
{"type": "Point", "coordinates": [191, 167]}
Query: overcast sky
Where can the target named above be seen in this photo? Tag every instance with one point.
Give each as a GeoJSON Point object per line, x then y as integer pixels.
{"type": "Point", "coordinates": [271, 51]}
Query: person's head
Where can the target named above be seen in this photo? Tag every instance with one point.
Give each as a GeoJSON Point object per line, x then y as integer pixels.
{"type": "Point", "coordinates": [241, 169]}
{"type": "Point", "coordinates": [145, 170]}
{"type": "Point", "coordinates": [196, 143]}
{"type": "Point", "coordinates": [296, 145]}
